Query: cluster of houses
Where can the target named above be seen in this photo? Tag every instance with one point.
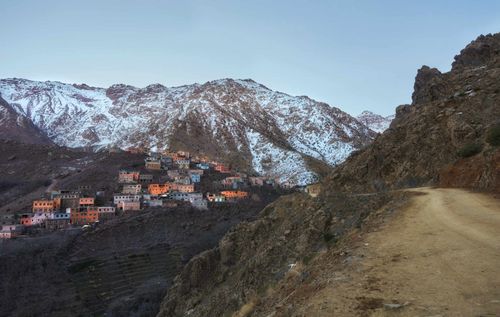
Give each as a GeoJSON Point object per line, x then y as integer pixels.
{"type": "Point", "coordinates": [169, 179]}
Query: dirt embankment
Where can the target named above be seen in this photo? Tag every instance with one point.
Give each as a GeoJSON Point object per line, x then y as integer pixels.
{"type": "Point", "coordinates": [439, 256]}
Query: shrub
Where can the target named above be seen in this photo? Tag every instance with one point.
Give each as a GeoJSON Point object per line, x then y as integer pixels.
{"type": "Point", "coordinates": [493, 135]}
{"type": "Point", "coordinates": [470, 149]}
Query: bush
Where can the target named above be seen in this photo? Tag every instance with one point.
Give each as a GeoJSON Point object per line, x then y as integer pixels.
{"type": "Point", "coordinates": [493, 135]}
{"type": "Point", "coordinates": [469, 150]}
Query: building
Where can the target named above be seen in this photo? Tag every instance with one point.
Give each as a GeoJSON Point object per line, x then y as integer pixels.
{"type": "Point", "coordinates": [106, 213]}
{"type": "Point", "coordinates": [117, 198]}
{"type": "Point", "coordinates": [216, 198]}
{"type": "Point", "coordinates": [195, 178]}
{"type": "Point", "coordinates": [221, 168]}
{"type": "Point", "coordinates": [129, 205]}
{"type": "Point", "coordinates": [167, 162]}
{"type": "Point", "coordinates": [153, 203]}
{"type": "Point", "coordinates": [197, 201]}
{"type": "Point", "coordinates": [128, 176]}
{"type": "Point", "coordinates": [60, 220]}
{"type": "Point", "coordinates": [145, 178]}
{"type": "Point", "coordinates": [177, 195]}
{"type": "Point", "coordinates": [10, 231]}
{"type": "Point", "coordinates": [43, 206]}
{"type": "Point", "coordinates": [173, 173]}
{"type": "Point", "coordinates": [26, 220]}
{"type": "Point", "coordinates": [184, 188]}
{"type": "Point", "coordinates": [313, 190]}
{"type": "Point", "coordinates": [133, 189]}
{"type": "Point", "coordinates": [203, 166]}
{"type": "Point", "coordinates": [256, 181]}
{"type": "Point", "coordinates": [181, 179]}
{"type": "Point", "coordinates": [158, 189]}
{"type": "Point", "coordinates": [86, 201]}
{"type": "Point", "coordinates": [182, 163]}
{"type": "Point", "coordinates": [153, 163]}
{"type": "Point", "coordinates": [84, 217]}
{"type": "Point", "coordinates": [234, 194]}
{"type": "Point", "coordinates": [232, 182]}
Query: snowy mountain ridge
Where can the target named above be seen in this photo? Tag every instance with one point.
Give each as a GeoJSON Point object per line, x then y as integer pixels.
{"type": "Point", "coordinates": [375, 121]}
{"type": "Point", "coordinates": [241, 121]}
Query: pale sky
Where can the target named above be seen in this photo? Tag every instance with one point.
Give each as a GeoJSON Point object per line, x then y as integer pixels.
{"type": "Point", "coordinates": [355, 55]}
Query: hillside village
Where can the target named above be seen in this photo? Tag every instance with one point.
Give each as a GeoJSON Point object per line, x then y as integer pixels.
{"type": "Point", "coordinates": [167, 180]}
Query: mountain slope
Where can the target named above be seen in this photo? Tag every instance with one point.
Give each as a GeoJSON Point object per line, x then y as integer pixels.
{"type": "Point", "coordinates": [240, 121]}
{"type": "Point", "coordinates": [451, 114]}
{"type": "Point", "coordinates": [16, 127]}
{"type": "Point", "coordinates": [375, 121]}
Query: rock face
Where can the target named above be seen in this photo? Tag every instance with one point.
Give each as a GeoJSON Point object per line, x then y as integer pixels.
{"type": "Point", "coordinates": [255, 255]}
{"type": "Point", "coordinates": [375, 121]}
{"type": "Point", "coordinates": [16, 127]}
{"type": "Point", "coordinates": [450, 112]}
{"type": "Point", "coordinates": [240, 121]}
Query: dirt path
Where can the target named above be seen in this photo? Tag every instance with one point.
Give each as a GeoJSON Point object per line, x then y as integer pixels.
{"type": "Point", "coordinates": [439, 257]}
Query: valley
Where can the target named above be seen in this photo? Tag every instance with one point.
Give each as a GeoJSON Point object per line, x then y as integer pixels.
{"type": "Point", "coordinates": [230, 199]}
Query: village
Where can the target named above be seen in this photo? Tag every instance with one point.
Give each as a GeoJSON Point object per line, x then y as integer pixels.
{"type": "Point", "coordinates": [166, 180]}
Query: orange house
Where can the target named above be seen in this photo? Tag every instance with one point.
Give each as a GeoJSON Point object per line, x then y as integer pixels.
{"type": "Point", "coordinates": [234, 194]}
{"type": "Point", "coordinates": [85, 217]}
{"type": "Point", "coordinates": [26, 220]}
{"type": "Point", "coordinates": [158, 189]}
{"type": "Point", "coordinates": [43, 206]}
{"type": "Point", "coordinates": [86, 201]}
{"type": "Point", "coordinates": [221, 168]}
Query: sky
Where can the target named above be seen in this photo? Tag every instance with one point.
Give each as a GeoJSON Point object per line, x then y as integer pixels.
{"type": "Point", "coordinates": [355, 55]}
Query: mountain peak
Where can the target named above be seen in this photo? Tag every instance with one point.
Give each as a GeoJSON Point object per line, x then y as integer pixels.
{"type": "Point", "coordinates": [375, 121]}
{"type": "Point", "coordinates": [238, 120]}
{"type": "Point", "coordinates": [482, 51]}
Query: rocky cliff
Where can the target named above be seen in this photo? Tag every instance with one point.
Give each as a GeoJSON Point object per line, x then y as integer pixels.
{"type": "Point", "coordinates": [447, 123]}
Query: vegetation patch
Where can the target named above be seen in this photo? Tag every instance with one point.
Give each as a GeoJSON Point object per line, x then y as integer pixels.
{"type": "Point", "coordinates": [493, 135]}
{"type": "Point", "coordinates": [470, 149]}
{"type": "Point", "coordinates": [79, 267]}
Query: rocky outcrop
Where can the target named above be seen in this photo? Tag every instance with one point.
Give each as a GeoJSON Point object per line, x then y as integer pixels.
{"type": "Point", "coordinates": [484, 51]}
{"type": "Point", "coordinates": [254, 256]}
{"type": "Point", "coordinates": [450, 111]}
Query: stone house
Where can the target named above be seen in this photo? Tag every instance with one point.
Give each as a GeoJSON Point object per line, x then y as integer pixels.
{"type": "Point", "coordinates": [117, 198]}
{"type": "Point", "coordinates": [145, 178]}
{"type": "Point", "coordinates": [128, 176]}
{"type": "Point", "coordinates": [129, 205]}
{"type": "Point", "coordinates": [182, 163]}
{"type": "Point", "coordinates": [153, 163]}
{"type": "Point", "coordinates": [133, 189]}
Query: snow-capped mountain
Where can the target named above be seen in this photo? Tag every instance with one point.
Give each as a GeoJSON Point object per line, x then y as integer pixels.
{"type": "Point", "coordinates": [375, 121]}
{"type": "Point", "coordinates": [238, 121]}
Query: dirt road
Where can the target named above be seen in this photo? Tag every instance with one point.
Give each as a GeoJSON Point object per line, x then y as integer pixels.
{"type": "Point", "coordinates": [439, 257]}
